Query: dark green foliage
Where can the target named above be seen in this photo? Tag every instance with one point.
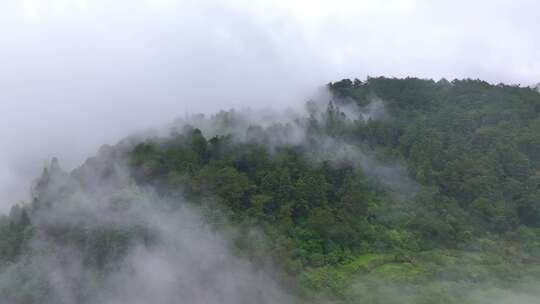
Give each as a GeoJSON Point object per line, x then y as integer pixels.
{"type": "Point", "coordinates": [321, 209]}
{"type": "Point", "coordinates": [15, 232]}
{"type": "Point", "coordinates": [472, 147]}
{"type": "Point", "coordinates": [474, 142]}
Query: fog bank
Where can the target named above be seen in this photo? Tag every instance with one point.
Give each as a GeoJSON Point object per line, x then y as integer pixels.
{"type": "Point", "coordinates": [77, 74]}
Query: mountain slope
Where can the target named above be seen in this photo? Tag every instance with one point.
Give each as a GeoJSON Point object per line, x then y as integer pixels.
{"type": "Point", "coordinates": [427, 190]}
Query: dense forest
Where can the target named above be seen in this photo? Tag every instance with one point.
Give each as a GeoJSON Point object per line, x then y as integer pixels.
{"type": "Point", "coordinates": [382, 191]}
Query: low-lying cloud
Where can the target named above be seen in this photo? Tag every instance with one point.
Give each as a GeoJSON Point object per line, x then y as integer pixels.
{"type": "Point", "coordinates": [77, 74]}
{"type": "Point", "coordinates": [161, 250]}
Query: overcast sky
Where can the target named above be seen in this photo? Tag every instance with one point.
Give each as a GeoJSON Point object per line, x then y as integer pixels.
{"type": "Point", "coordinates": [75, 74]}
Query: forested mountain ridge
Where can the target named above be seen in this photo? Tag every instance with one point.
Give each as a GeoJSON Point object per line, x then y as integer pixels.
{"type": "Point", "coordinates": [429, 190]}
{"type": "Point", "coordinates": [477, 143]}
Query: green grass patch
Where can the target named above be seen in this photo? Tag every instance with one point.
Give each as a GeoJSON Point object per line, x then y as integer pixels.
{"type": "Point", "coordinates": [397, 268]}
{"type": "Point", "coordinates": [367, 262]}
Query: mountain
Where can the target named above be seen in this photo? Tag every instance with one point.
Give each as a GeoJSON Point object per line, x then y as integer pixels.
{"type": "Point", "coordinates": [388, 191]}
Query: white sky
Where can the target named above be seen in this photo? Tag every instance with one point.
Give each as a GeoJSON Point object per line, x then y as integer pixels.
{"type": "Point", "coordinates": [75, 74]}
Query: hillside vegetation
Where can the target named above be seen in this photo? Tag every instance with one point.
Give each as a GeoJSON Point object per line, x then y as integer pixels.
{"type": "Point", "coordinates": [391, 191]}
